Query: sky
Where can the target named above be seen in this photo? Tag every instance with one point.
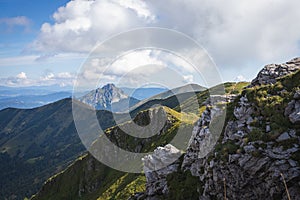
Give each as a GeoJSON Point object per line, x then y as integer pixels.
{"type": "Point", "coordinates": [48, 42]}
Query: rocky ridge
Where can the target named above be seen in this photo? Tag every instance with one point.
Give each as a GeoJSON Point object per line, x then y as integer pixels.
{"type": "Point", "coordinates": [270, 73]}
{"type": "Point", "coordinates": [255, 152]}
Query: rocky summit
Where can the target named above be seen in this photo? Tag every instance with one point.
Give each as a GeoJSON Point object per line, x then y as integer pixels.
{"type": "Point", "coordinates": [109, 97]}
{"type": "Point", "coordinates": [270, 73]}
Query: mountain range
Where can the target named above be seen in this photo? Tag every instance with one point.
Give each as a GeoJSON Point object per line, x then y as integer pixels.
{"type": "Point", "coordinates": [32, 101]}
{"type": "Point", "coordinates": [35, 96]}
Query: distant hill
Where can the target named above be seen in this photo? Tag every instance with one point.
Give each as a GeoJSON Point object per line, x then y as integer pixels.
{"type": "Point", "coordinates": [169, 98]}
{"type": "Point", "coordinates": [6, 92]}
{"type": "Point", "coordinates": [109, 97]}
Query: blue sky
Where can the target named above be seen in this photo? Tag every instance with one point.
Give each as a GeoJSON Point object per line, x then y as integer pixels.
{"type": "Point", "coordinates": [45, 42]}
{"type": "Point", "coordinates": [15, 37]}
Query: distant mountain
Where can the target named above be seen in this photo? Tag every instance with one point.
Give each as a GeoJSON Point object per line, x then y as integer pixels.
{"type": "Point", "coordinates": [143, 93]}
{"type": "Point", "coordinates": [32, 101]}
{"type": "Point", "coordinates": [6, 92]}
{"type": "Point", "coordinates": [109, 97]}
{"type": "Point", "coordinates": [171, 97]}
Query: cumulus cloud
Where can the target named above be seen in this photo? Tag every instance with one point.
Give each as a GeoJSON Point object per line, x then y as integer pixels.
{"type": "Point", "coordinates": [22, 75]}
{"type": "Point", "coordinates": [136, 68]}
{"type": "Point", "coordinates": [81, 24]}
{"type": "Point", "coordinates": [236, 33]}
{"type": "Point", "coordinates": [21, 79]}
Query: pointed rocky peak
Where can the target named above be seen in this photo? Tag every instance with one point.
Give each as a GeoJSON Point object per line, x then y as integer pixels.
{"type": "Point", "coordinates": [104, 97]}
{"type": "Point", "coordinates": [109, 86]}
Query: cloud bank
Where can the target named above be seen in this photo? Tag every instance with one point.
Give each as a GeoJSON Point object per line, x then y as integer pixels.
{"type": "Point", "coordinates": [234, 32]}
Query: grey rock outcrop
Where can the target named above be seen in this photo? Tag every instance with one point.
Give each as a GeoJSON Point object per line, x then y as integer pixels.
{"type": "Point", "coordinates": [157, 166]}
{"type": "Point", "coordinates": [204, 136]}
{"type": "Point", "coordinates": [270, 73]}
{"type": "Point", "coordinates": [254, 174]}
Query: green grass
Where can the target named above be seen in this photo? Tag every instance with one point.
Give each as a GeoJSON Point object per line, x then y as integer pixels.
{"type": "Point", "coordinates": [108, 183]}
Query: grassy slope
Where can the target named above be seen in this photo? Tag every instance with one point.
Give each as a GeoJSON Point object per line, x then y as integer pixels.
{"type": "Point", "coordinates": [98, 181]}
{"type": "Point", "coordinates": [37, 143]}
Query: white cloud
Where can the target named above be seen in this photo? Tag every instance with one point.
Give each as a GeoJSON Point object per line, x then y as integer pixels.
{"type": "Point", "coordinates": [137, 68]}
{"type": "Point", "coordinates": [81, 24]}
{"type": "Point", "coordinates": [48, 76]}
{"type": "Point", "coordinates": [234, 32]}
{"type": "Point", "coordinates": [22, 75]}
{"type": "Point", "coordinates": [140, 7]}
{"type": "Point", "coordinates": [21, 80]}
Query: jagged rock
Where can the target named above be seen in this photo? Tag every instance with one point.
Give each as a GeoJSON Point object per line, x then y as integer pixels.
{"type": "Point", "coordinates": [270, 73]}
{"type": "Point", "coordinates": [157, 166]}
{"type": "Point", "coordinates": [203, 140]}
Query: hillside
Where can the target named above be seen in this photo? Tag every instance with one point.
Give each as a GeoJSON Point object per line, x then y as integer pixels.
{"type": "Point", "coordinates": [87, 178]}
{"type": "Point", "coordinates": [36, 143]}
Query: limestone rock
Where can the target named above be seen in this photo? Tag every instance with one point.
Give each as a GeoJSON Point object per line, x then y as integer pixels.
{"type": "Point", "coordinates": [270, 73]}
{"type": "Point", "coordinates": [157, 166]}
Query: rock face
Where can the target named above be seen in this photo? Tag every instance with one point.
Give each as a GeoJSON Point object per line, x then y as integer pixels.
{"type": "Point", "coordinates": [203, 136]}
{"type": "Point", "coordinates": [157, 166]}
{"type": "Point", "coordinates": [109, 97]}
{"type": "Point", "coordinates": [270, 72]}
